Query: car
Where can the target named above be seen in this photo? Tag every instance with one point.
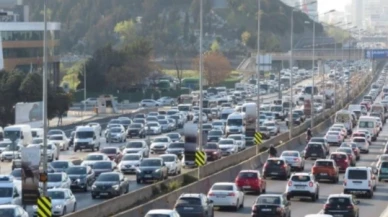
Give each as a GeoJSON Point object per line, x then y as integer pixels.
{"type": "Point", "coordinates": [110, 184]}
{"type": "Point", "coordinates": [136, 129]}
{"type": "Point", "coordinates": [228, 146]}
{"type": "Point", "coordinates": [174, 165]}
{"type": "Point", "coordinates": [382, 170]}
{"type": "Point", "coordinates": [214, 135]}
{"type": "Point", "coordinates": [296, 119]}
{"type": "Point", "coordinates": [302, 185]}
{"type": "Point", "coordinates": [151, 169]}
{"type": "Point", "coordinates": [226, 194]}
{"type": "Point", "coordinates": [359, 181]}
{"type": "Point", "coordinates": [130, 162]}
{"type": "Point", "coordinates": [340, 126]}
{"type": "Point", "coordinates": [153, 128]}
{"type": "Point", "coordinates": [240, 140]}
{"type": "Point", "coordinates": [271, 205]}
{"type": "Point", "coordinates": [251, 181]}
{"type": "Point", "coordinates": [60, 141]}
{"type": "Point", "coordinates": [196, 118]}
{"type": "Point", "coordinates": [341, 204]}
{"type": "Point", "coordinates": [273, 127]}
{"type": "Point", "coordinates": [89, 101]}
{"type": "Point", "coordinates": [383, 157]}
{"type": "Point", "coordinates": [52, 151]}
{"type": "Point", "coordinates": [361, 143]}
{"type": "Point", "coordinates": [175, 137]}
{"type": "Point", "coordinates": [113, 153]}
{"type": "Point", "coordinates": [219, 123]}
{"type": "Point", "coordinates": [167, 101]}
{"type": "Point", "coordinates": [349, 152]}
{"type": "Point", "coordinates": [173, 124]}
{"type": "Point", "coordinates": [264, 131]}
{"type": "Point", "coordinates": [341, 159]}
{"type": "Point", "coordinates": [364, 133]}
{"type": "Point", "coordinates": [207, 127]}
{"type": "Point", "coordinates": [335, 137]}
{"type": "Point", "coordinates": [162, 212]}
{"type": "Point", "coordinates": [63, 202]}
{"type": "Point", "coordinates": [16, 174]}
{"type": "Point", "coordinates": [354, 147]}
{"type": "Point", "coordinates": [71, 138]}
{"type": "Point", "coordinates": [314, 150]}
{"type": "Point", "coordinates": [159, 144]}
{"type": "Point", "coordinates": [94, 157]}
{"type": "Point", "coordinates": [97, 126]}
{"type": "Point", "coordinates": [55, 132]}
{"type": "Point", "coordinates": [13, 152]}
{"type": "Point", "coordinates": [116, 134]}
{"type": "Point", "coordinates": [104, 166]}
{"type": "Point", "coordinates": [149, 103]}
{"type": "Point", "coordinates": [5, 143]}
{"type": "Point", "coordinates": [10, 210]}
{"type": "Point", "coordinates": [276, 167]}
{"type": "Point", "coordinates": [61, 165]}
{"type": "Point", "coordinates": [194, 205]}
{"type": "Point", "coordinates": [322, 140]}
{"type": "Point", "coordinates": [125, 121]}
{"type": "Point", "coordinates": [57, 180]}
{"type": "Point", "coordinates": [212, 150]}
{"type": "Point", "coordinates": [136, 147]}
{"type": "Point", "coordinates": [294, 159]}
{"type": "Point", "coordinates": [325, 169]}
{"type": "Point", "coordinates": [139, 121]}
{"type": "Point", "coordinates": [166, 127]}
{"type": "Point", "coordinates": [81, 177]}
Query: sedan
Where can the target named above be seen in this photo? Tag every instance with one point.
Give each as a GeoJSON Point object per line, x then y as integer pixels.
{"type": "Point", "coordinates": [240, 140]}
{"type": "Point", "coordinates": [60, 141]}
{"type": "Point", "coordinates": [349, 152]}
{"type": "Point", "coordinates": [113, 153]}
{"type": "Point", "coordinates": [334, 137]}
{"type": "Point", "coordinates": [212, 150]}
{"type": "Point", "coordinates": [136, 129]}
{"type": "Point", "coordinates": [116, 134]}
{"type": "Point", "coordinates": [226, 194]}
{"type": "Point", "coordinates": [174, 165]}
{"type": "Point", "coordinates": [167, 101]}
{"type": "Point", "coordinates": [58, 180]}
{"type": "Point", "coordinates": [149, 103]}
{"type": "Point", "coordinates": [175, 137]}
{"type": "Point", "coordinates": [354, 147]}
{"type": "Point", "coordinates": [63, 201]}
{"type": "Point", "coordinates": [294, 159]}
{"type": "Point", "coordinates": [130, 163]}
{"type": "Point", "coordinates": [110, 184]}
{"type": "Point", "coordinates": [160, 144]}
{"type": "Point", "coordinates": [273, 127]}
{"type": "Point", "coordinates": [153, 128]}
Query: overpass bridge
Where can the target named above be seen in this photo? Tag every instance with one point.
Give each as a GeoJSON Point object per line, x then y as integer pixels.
{"type": "Point", "coordinates": [374, 39]}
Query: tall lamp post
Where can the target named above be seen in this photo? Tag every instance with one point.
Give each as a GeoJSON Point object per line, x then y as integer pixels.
{"type": "Point", "coordinates": [45, 101]}
{"type": "Point", "coordinates": [258, 69]}
{"type": "Point", "coordinates": [290, 122]}
{"type": "Point", "coordinates": [200, 132]}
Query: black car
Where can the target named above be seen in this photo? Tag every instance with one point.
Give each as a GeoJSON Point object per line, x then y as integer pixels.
{"type": "Point", "coordinates": [61, 165]}
{"type": "Point", "coordinates": [103, 167]}
{"type": "Point", "coordinates": [81, 177]}
{"type": "Point", "coordinates": [315, 150]}
{"type": "Point", "coordinates": [341, 205]}
{"type": "Point", "coordinates": [110, 184]}
{"type": "Point", "coordinates": [276, 167]}
{"type": "Point", "coordinates": [71, 138]}
{"type": "Point", "coordinates": [207, 127]}
{"type": "Point", "coordinates": [271, 205]}
{"type": "Point", "coordinates": [125, 123]}
{"type": "Point", "coordinates": [214, 135]}
{"type": "Point", "coordinates": [194, 205]}
{"type": "Point", "coordinates": [151, 169]}
{"type": "Point", "coordinates": [136, 129]}
{"type": "Point", "coordinates": [296, 119]}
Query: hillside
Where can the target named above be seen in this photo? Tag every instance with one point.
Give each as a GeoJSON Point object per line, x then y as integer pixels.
{"type": "Point", "coordinates": [171, 24]}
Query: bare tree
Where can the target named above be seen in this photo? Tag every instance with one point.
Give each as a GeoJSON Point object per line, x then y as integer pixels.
{"type": "Point", "coordinates": [179, 68]}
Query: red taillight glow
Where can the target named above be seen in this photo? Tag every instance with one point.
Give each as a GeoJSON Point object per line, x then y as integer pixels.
{"type": "Point", "coordinates": [350, 207]}
{"type": "Point", "coordinates": [231, 194]}
{"type": "Point", "coordinates": [211, 194]}
{"type": "Point", "coordinates": [289, 183]}
{"type": "Point", "coordinates": [296, 159]}
{"type": "Point", "coordinates": [266, 165]}
{"type": "Point", "coordinates": [311, 184]}
{"type": "Point", "coordinates": [326, 206]}
{"type": "Point", "coordinates": [345, 182]}
{"type": "Point", "coordinates": [253, 208]}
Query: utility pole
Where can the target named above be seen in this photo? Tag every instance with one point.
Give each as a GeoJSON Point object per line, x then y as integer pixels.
{"type": "Point", "coordinates": [84, 69]}
{"type": "Point", "coordinates": [200, 77]}
{"type": "Point", "coordinates": [290, 121]}
{"type": "Point", "coordinates": [313, 80]}
{"type": "Point", "coordinates": [258, 70]}
{"type": "Point", "coordinates": [45, 101]}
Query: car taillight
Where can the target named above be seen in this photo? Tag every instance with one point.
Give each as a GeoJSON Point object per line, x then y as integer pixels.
{"type": "Point", "coordinates": [326, 206]}
{"type": "Point", "coordinates": [345, 182]}
{"type": "Point", "coordinates": [284, 166]}
{"type": "Point", "coordinates": [296, 159]}
{"type": "Point", "coordinates": [266, 165]}
{"type": "Point", "coordinates": [311, 184]}
{"type": "Point", "coordinates": [350, 207]}
{"type": "Point", "coordinates": [289, 183]}
{"type": "Point", "coordinates": [231, 195]}
{"type": "Point", "coordinates": [346, 160]}
{"type": "Point", "coordinates": [254, 208]}
{"type": "Point", "coordinates": [211, 194]}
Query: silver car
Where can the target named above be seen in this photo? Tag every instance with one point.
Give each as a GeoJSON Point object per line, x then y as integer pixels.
{"type": "Point", "coordinates": [63, 202]}
{"type": "Point", "coordinates": [294, 159]}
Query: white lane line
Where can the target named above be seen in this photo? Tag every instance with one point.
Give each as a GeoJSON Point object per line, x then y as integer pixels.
{"type": "Point", "coordinates": [384, 213]}
{"type": "Point", "coordinates": [320, 211]}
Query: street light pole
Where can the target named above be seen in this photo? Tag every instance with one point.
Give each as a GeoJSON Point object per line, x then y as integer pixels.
{"type": "Point", "coordinates": [200, 76]}
{"type": "Point", "coordinates": [313, 80]}
{"type": "Point", "coordinates": [290, 121]}
{"type": "Point", "coordinates": [45, 101]}
{"type": "Point", "coordinates": [84, 69]}
{"type": "Point", "coordinates": [258, 70]}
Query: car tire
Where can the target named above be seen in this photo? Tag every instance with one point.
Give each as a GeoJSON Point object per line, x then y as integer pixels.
{"type": "Point", "coordinates": [86, 188]}
{"type": "Point", "coordinates": [313, 197]}
{"type": "Point", "coordinates": [289, 197]}
{"type": "Point", "coordinates": [75, 207]}
{"type": "Point", "coordinates": [64, 211]}
{"type": "Point", "coordinates": [237, 205]}
{"type": "Point", "coordinates": [93, 196]}
{"type": "Point", "coordinates": [242, 203]}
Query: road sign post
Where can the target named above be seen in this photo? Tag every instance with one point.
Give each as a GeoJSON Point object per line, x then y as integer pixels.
{"type": "Point", "coordinates": [258, 139]}
{"type": "Point", "coordinates": [200, 160]}
{"type": "Point", "coordinates": [44, 207]}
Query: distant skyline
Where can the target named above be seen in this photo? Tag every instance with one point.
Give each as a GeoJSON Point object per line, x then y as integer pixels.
{"type": "Point", "coordinates": [326, 5]}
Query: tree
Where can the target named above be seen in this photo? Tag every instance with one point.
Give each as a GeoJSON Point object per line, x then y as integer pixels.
{"type": "Point", "coordinates": [178, 67]}
{"type": "Point", "coordinates": [216, 67]}
{"type": "Point", "coordinates": [60, 104]}
{"type": "Point", "coordinates": [215, 46]}
{"type": "Point", "coordinates": [31, 88]}
{"type": "Point", "coordinates": [245, 36]}
{"type": "Point", "coordinates": [126, 30]}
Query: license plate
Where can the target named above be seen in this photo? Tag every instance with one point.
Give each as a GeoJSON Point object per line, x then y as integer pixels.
{"type": "Point", "coordinates": [323, 174]}
{"type": "Point", "coordinates": [83, 146]}
{"type": "Point", "coordinates": [274, 173]}
{"type": "Point", "coordinates": [313, 154]}
{"type": "Point", "coordinates": [338, 215]}
{"type": "Point", "coordinates": [104, 194]}
{"type": "Point", "coordinates": [266, 210]}
{"type": "Point", "coordinates": [246, 187]}
{"type": "Point", "coordinates": [300, 187]}
{"type": "Point", "coordinates": [148, 176]}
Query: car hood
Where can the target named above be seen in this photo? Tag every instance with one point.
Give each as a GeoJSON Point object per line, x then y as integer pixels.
{"type": "Point", "coordinates": [149, 168]}
{"type": "Point", "coordinates": [10, 152]}
{"type": "Point", "coordinates": [98, 183]}
{"type": "Point", "coordinates": [131, 128]}
{"type": "Point", "coordinates": [154, 128]}
{"type": "Point", "coordinates": [88, 162]}
{"type": "Point", "coordinates": [159, 144]}
{"type": "Point", "coordinates": [76, 176]}
{"type": "Point", "coordinates": [176, 149]}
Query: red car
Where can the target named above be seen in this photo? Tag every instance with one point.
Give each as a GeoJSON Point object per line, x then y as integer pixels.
{"type": "Point", "coordinates": [212, 150]}
{"type": "Point", "coordinates": [113, 153]}
{"type": "Point", "coordinates": [366, 104]}
{"type": "Point", "coordinates": [341, 159]}
{"type": "Point", "coordinates": [251, 181]}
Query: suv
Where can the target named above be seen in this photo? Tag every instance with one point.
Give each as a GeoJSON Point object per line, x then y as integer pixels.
{"type": "Point", "coordinates": [325, 169]}
{"type": "Point", "coordinates": [302, 185]}
{"type": "Point", "coordinates": [315, 150]}
{"type": "Point", "coordinates": [194, 205]}
{"type": "Point", "coordinates": [360, 180]}
{"type": "Point", "coordinates": [341, 159]}
{"type": "Point", "coordinates": [341, 204]}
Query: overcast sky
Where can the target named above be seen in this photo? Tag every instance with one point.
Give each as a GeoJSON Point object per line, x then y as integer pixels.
{"type": "Point", "coordinates": [326, 5]}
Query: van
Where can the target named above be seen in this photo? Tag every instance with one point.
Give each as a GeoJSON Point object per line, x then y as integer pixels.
{"type": "Point", "coordinates": [235, 124]}
{"type": "Point", "coordinates": [37, 132]}
{"type": "Point", "coordinates": [86, 138]}
{"type": "Point", "coordinates": [379, 108]}
{"type": "Point", "coordinates": [345, 117]}
{"type": "Point", "coordinates": [21, 134]}
{"type": "Point", "coordinates": [370, 124]}
{"type": "Point", "coordinates": [359, 181]}
{"type": "Point", "coordinates": [11, 191]}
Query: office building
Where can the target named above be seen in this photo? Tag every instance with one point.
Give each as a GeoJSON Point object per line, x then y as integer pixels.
{"type": "Point", "coordinates": [357, 12]}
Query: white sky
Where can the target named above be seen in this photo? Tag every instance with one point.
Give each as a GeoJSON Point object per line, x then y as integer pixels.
{"type": "Point", "coordinates": [326, 5]}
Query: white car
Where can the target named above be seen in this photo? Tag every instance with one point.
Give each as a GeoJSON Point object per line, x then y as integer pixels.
{"type": "Point", "coordinates": [52, 151]}
{"type": "Point", "coordinates": [367, 135]}
{"type": "Point", "coordinates": [196, 118]}
{"type": "Point", "coordinates": [219, 123]}
{"type": "Point", "coordinates": [63, 201]}
{"type": "Point", "coordinates": [130, 162]}
{"type": "Point", "coordinates": [240, 140]}
{"type": "Point", "coordinates": [4, 144]}
{"type": "Point", "coordinates": [60, 141]}
{"type": "Point", "coordinates": [37, 141]}
{"type": "Point", "coordinates": [342, 126]}
{"type": "Point", "coordinates": [343, 131]}
{"type": "Point", "coordinates": [302, 185]}
{"type": "Point", "coordinates": [97, 126]}
{"type": "Point", "coordinates": [362, 143]}
{"type": "Point", "coordinates": [89, 101]}
{"type": "Point", "coordinates": [226, 194]}
{"type": "Point", "coordinates": [334, 137]}
{"type": "Point", "coordinates": [228, 146]}
{"type": "Point", "coordinates": [174, 165]}
{"type": "Point", "coordinates": [160, 144]}
{"type": "Point", "coordinates": [165, 125]}
{"type": "Point", "coordinates": [116, 134]}
{"type": "Point", "coordinates": [149, 103]}
{"type": "Point", "coordinates": [94, 157]}
{"type": "Point", "coordinates": [55, 132]}
{"type": "Point", "coordinates": [136, 147]}
{"type": "Point", "coordinates": [294, 159]}
{"type": "Point", "coordinates": [153, 128]}
{"type": "Point", "coordinates": [175, 137]}
{"type": "Point", "coordinates": [272, 127]}
{"type": "Point", "coordinates": [163, 212]}
{"type": "Point", "coordinates": [57, 180]}
{"type": "Point", "coordinates": [167, 101]}
{"type": "Point", "coordinates": [12, 210]}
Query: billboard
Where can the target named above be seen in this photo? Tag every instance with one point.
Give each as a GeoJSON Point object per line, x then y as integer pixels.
{"type": "Point", "coordinates": [30, 174]}
{"type": "Point", "coordinates": [376, 54]}
{"type": "Point", "coordinates": [28, 112]}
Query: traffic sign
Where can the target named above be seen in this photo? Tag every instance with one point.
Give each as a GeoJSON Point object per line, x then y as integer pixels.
{"type": "Point", "coordinates": [44, 207]}
{"type": "Point", "coordinates": [200, 158]}
{"type": "Point", "coordinates": [376, 54]}
{"type": "Point", "coordinates": [258, 138]}
{"type": "Point", "coordinates": [43, 177]}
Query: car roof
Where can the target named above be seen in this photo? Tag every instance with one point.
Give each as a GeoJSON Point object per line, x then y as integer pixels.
{"type": "Point", "coordinates": [161, 211]}
{"type": "Point", "coordinates": [190, 195]}
{"type": "Point", "coordinates": [340, 195]}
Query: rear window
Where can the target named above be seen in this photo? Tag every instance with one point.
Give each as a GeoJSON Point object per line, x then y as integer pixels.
{"type": "Point", "coordinates": [315, 145]}
{"type": "Point", "coordinates": [223, 187]}
{"type": "Point", "coordinates": [357, 174]}
{"type": "Point", "coordinates": [247, 175]}
{"type": "Point", "coordinates": [190, 200]}
{"type": "Point", "coordinates": [339, 201]}
{"type": "Point", "coordinates": [338, 156]}
{"type": "Point", "coordinates": [290, 154]}
{"type": "Point", "coordinates": [268, 200]}
{"type": "Point", "coordinates": [359, 140]}
{"type": "Point", "coordinates": [300, 178]}
{"type": "Point", "coordinates": [275, 162]}
{"type": "Point", "coordinates": [384, 164]}
{"type": "Point", "coordinates": [324, 163]}
{"type": "Point", "coordinates": [359, 135]}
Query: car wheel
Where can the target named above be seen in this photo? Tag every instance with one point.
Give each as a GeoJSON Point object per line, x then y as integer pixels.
{"type": "Point", "coordinates": [93, 196]}
{"type": "Point", "coordinates": [64, 211]}
{"type": "Point", "coordinates": [237, 205]}
{"type": "Point", "coordinates": [242, 203]}
{"type": "Point", "coordinates": [75, 207]}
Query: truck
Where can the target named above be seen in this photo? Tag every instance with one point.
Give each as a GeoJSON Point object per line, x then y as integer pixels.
{"type": "Point", "coordinates": [250, 114]}
{"type": "Point", "coordinates": [190, 131]}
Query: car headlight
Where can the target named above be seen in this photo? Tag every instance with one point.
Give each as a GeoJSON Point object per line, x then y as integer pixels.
{"type": "Point", "coordinates": [115, 187]}
{"type": "Point", "coordinates": [34, 207]}
{"type": "Point", "coordinates": [58, 206]}
{"type": "Point", "coordinates": [138, 171]}
{"type": "Point", "coordinates": [94, 186]}
{"type": "Point", "coordinates": [157, 171]}
{"type": "Point", "coordinates": [78, 180]}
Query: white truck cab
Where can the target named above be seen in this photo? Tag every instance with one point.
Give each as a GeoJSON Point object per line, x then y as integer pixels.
{"type": "Point", "coordinates": [86, 137]}
{"type": "Point", "coordinates": [235, 124]}
{"type": "Point", "coordinates": [21, 134]}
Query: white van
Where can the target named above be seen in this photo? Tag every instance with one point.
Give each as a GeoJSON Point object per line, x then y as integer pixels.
{"type": "Point", "coordinates": [13, 195]}
{"type": "Point", "coordinates": [21, 134]}
{"type": "Point", "coordinates": [359, 180]}
{"type": "Point", "coordinates": [370, 124]}
{"type": "Point", "coordinates": [37, 132]}
{"type": "Point", "coordinates": [86, 138]}
{"type": "Point", "coordinates": [235, 124]}
{"type": "Point", "coordinates": [345, 117]}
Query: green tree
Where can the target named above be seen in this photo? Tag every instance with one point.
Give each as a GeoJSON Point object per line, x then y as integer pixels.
{"type": "Point", "coordinates": [31, 88]}
{"type": "Point", "coordinates": [245, 36]}
{"type": "Point", "coordinates": [126, 30]}
{"type": "Point", "coordinates": [215, 46]}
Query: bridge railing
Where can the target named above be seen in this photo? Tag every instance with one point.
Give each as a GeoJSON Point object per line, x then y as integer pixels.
{"type": "Point", "coordinates": [308, 53]}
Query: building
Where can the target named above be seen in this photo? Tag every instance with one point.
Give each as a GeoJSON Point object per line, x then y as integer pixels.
{"type": "Point", "coordinates": [357, 12]}
{"type": "Point", "coordinates": [21, 42]}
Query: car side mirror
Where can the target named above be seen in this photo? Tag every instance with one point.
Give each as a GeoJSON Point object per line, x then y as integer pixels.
{"type": "Point", "coordinates": [16, 195]}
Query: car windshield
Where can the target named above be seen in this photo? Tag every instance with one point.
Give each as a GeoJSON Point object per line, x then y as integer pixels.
{"type": "Point", "coordinates": [84, 134]}
{"type": "Point", "coordinates": [301, 178]}
{"type": "Point", "coordinates": [347, 151]}
{"type": "Point", "coordinates": [13, 148]}
{"type": "Point", "coordinates": [158, 215]}
{"type": "Point", "coordinates": [76, 170]}
{"type": "Point", "coordinates": [55, 195]}
{"type": "Point", "coordinates": [151, 163]}
{"type": "Point", "coordinates": [102, 165]}
{"type": "Point", "coordinates": [108, 177]}
{"type": "Point", "coordinates": [114, 122]}
{"type": "Point", "coordinates": [357, 174]}
{"type": "Point", "coordinates": [17, 173]}
{"type": "Point", "coordinates": [358, 140]}
{"type": "Point", "coordinates": [226, 142]}
{"type": "Point", "coordinates": [163, 122]}
{"type": "Point", "coordinates": [235, 137]}
{"type": "Point", "coordinates": [173, 135]}
{"type": "Point", "coordinates": [338, 156]}
{"type": "Point", "coordinates": [4, 144]}
{"type": "Point", "coordinates": [270, 124]}
{"type": "Point", "coordinates": [207, 126]}
{"type": "Point", "coordinates": [290, 154]}
{"type": "Point", "coordinates": [115, 130]}
{"type": "Point", "coordinates": [222, 187]}
{"type": "Point", "coordinates": [270, 200]}
{"type": "Point", "coordinates": [56, 138]}
{"type": "Point", "coordinates": [109, 151]}
{"type": "Point", "coordinates": [248, 175]}
{"type": "Point", "coordinates": [60, 164]}
{"type": "Point", "coordinates": [217, 124]}
{"type": "Point", "coordinates": [53, 132]}
{"type": "Point", "coordinates": [215, 133]}
{"type": "Point", "coordinates": [134, 145]}
{"type": "Point", "coordinates": [235, 122]}
{"type": "Point", "coordinates": [131, 157]}
{"type": "Point", "coordinates": [54, 177]}
{"type": "Point", "coordinates": [168, 158]}
{"type": "Point", "coordinates": [324, 163]}
{"type": "Point", "coordinates": [342, 201]}
{"type": "Point", "coordinates": [275, 162]}
{"type": "Point", "coordinates": [177, 145]}
{"type": "Point", "coordinates": [6, 192]}
{"type": "Point", "coordinates": [161, 140]}
{"type": "Point", "coordinates": [276, 109]}
{"type": "Point", "coordinates": [125, 122]}
{"type": "Point", "coordinates": [152, 125]}
{"type": "Point", "coordinates": [366, 124]}
{"type": "Point", "coordinates": [191, 200]}
{"type": "Point", "coordinates": [135, 126]}
{"type": "Point", "coordinates": [317, 139]}
{"type": "Point", "coordinates": [210, 146]}
{"type": "Point", "coordinates": [94, 157]}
